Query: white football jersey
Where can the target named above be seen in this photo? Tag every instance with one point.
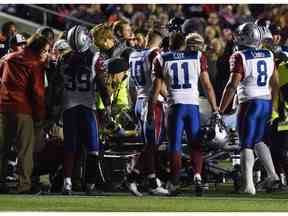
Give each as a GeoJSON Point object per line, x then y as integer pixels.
{"type": "Point", "coordinates": [79, 82]}
{"type": "Point", "coordinates": [258, 66]}
{"type": "Point", "coordinates": [140, 71]}
{"type": "Point", "coordinates": [180, 72]}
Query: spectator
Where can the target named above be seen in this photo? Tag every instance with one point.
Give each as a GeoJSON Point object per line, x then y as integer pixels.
{"type": "Point", "coordinates": [210, 34]}
{"type": "Point", "coordinates": [8, 31]}
{"type": "Point", "coordinates": [213, 21]}
{"type": "Point", "coordinates": [22, 106]}
{"type": "Point", "coordinates": [123, 32]}
{"type": "Point", "coordinates": [17, 43]}
{"type": "Point", "coordinates": [127, 11]}
{"type": "Point", "coordinates": [139, 19]}
{"type": "Point", "coordinates": [243, 14]}
{"type": "Point", "coordinates": [227, 17]}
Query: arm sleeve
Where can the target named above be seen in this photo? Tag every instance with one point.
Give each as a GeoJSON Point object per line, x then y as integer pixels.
{"type": "Point", "coordinates": [100, 81]}
{"type": "Point", "coordinates": [236, 64]}
{"type": "Point", "coordinates": [153, 55]}
{"type": "Point", "coordinates": [203, 63]}
{"type": "Point", "coordinates": [157, 67]}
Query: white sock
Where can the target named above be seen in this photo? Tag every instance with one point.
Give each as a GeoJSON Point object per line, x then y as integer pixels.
{"type": "Point", "coordinates": [247, 163]}
{"type": "Point", "coordinates": [197, 176]}
{"type": "Point", "coordinates": [67, 181]}
{"type": "Point", "coordinates": [262, 151]}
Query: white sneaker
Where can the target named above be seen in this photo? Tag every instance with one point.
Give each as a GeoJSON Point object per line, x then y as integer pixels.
{"type": "Point", "coordinates": [133, 189]}
{"type": "Point", "coordinates": [159, 191]}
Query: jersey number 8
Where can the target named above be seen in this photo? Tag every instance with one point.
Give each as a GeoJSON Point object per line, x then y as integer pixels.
{"type": "Point", "coordinates": [262, 73]}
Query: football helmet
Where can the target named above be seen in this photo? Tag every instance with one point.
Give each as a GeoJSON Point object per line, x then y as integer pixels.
{"type": "Point", "coordinates": [79, 39]}
{"type": "Point", "coordinates": [60, 45]}
{"type": "Point", "coordinates": [195, 41]}
{"type": "Point", "coordinates": [248, 35]}
{"type": "Point", "coordinates": [194, 24]}
{"type": "Point", "coordinates": [264, 27]}
{"type": "Point", "coordinates": [175, 24]}
{"type": "Point", "coordinates": [215, 134]}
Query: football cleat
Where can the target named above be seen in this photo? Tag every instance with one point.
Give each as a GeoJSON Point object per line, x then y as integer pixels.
{"type": "Point", "coordinates": [271, 184]}
{"type": "Point", "coordinates": [132, 187]}
{"type": "Point", "coordinates": [67, 189]}
{"type": "Point", "coordinates": [172, 189]}
{"type": "Point", "coordinates": [159, 191]}
{"type": "Point", "coordinates": [198, 185]}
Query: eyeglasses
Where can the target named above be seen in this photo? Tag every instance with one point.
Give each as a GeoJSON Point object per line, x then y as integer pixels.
{"type": "Point", "coordinates": [44, 51]}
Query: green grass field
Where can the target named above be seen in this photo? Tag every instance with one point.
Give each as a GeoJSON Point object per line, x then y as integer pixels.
{"type": "Point", "coordinates": [212, 201]}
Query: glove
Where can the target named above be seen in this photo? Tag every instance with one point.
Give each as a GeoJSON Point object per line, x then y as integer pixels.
{"type": "Point", "coordinates": [109, 121]}
{"type": "Point", "coordinates": [216, 115]}
{"type": "Point", "coordinates": [108, 111]}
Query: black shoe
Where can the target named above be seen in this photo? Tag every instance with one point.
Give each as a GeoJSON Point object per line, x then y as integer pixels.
{"type": "Point", "coordinates": [66, 192]}
{"type": "Point", "coordinates": [198, 187]}
{"type": "Point", "coordinates": [273, 186]}
{"type": "Point", "coordinates": [4, 189]}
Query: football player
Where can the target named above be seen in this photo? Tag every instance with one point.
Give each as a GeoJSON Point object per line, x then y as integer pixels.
{"type": "Point", "coordinates": [140, 62]}
{"type": "Point", "coordinates": [180, 69]}
{"type": "Point", "coordinates": [252, 75]}
{"type": "Point", "coordinates": [83, 71]}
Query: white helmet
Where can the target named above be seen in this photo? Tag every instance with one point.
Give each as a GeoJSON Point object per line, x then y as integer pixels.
{"type": "Point", "coordinates": [248, 35]}
{"type": "Point", "coordinates": [60, 45]}
{"type": "Point", "coordinates": [195, 41]}
{"type": "Point", "coordinates": [79, 39]}
{"type": "Point", "coordinates": [216, 134]}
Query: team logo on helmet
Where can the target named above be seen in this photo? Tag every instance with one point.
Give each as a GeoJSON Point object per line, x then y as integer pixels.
{"type": "Point", "coordinates": [175, 24]}
{"type": "Point", "coordinates": [79, 38]}
{"type": "Point", "coordinates": [248, 35]}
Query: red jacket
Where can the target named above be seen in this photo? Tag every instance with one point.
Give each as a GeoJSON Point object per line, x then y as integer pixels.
{"type": "Point", "coordinates": [22, 84]}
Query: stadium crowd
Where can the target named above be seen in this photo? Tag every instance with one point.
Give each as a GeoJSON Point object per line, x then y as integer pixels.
{"type": "Point", "coordinates": [38, 71]}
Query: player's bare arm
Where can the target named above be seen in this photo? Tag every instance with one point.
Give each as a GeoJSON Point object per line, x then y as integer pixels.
{"type": "Point", "coordinates": [207, 86]}
{"type": "Point", "coordinates": [104, 93]}
{"type": "Point", "coordinates": [156, 88]}
{"type": "Point", "coordinates": [229, 91]}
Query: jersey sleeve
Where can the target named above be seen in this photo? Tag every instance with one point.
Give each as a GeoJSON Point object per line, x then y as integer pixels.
{"type": "Point", "coordinates": [98, 65]}
{"type": "Point", "coordinates": [153, 55]}
{"type": "Point", "coordinates": [236, 64]}
{"type": "Point", "coordinates": [203, 63]}
{"type": "Point", "coordinates": [157, 67]}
